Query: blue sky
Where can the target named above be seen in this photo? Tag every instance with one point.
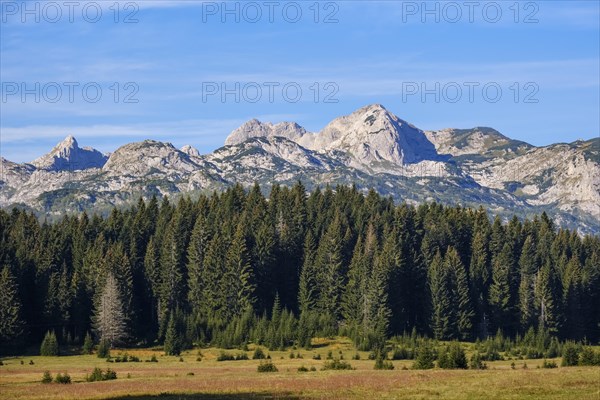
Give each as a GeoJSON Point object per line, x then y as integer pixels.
{"type": "Point", "coordinates": [176, 59]}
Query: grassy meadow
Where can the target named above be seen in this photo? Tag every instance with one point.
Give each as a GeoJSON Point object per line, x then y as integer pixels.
{"type": "Point", "coordinates": [188, 378]}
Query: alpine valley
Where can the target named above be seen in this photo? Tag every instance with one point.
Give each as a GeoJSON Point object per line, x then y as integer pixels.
{"type": "Point", "coordinates": [370, 148]}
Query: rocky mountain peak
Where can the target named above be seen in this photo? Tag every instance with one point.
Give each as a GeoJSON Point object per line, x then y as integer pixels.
{"type": "Point", "coordinates": [255, 128]}
{"type": "Point", "coordinates": [190, 151]}
{"type": "Point", "coordinates": [68, 156]}
{"type": "Point", "coordinates": [372, 134]}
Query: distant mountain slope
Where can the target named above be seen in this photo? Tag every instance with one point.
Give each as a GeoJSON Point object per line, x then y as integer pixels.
{"type": "Point", "coordinates": [371, 148]}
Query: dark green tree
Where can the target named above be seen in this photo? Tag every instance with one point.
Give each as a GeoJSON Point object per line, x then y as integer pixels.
{"type": "Point", "coordinates": [11, 325]}
{"type": "Point", "coordinates": [442, 315]}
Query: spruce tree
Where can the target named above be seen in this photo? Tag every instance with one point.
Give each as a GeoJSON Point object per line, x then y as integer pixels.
{"type": "Point", "coordinates": [500, 300]}
{"type": "Point", "coordinates": [441, 314]}
{"type": "Point", "coordinates": [49, 345]}
{"type": "Point", "coordinates": [425, 356]}
{"type": "Point", "coordinates": [238, 281]}
{"type": "Point", "coordinates": [197, 248]}
{"type": "Point", "coordinates": [480, 276]}
{"type": "Point", "coordinates": [308, 285]}
{"type": "Point", "coordinates": [460, 295]}
{"type": "Point", "coordinates": [329, 263]}
{"type": "Point", "coordinates": [572, 295]}
{"type": "Point", "coordinates": [528, 271]}
{"type": "Point", "coordinates": [88, 344]}
{"type": "Point", "coordinates": [378, 313]}
{"type": "Point", "coordinates": [173, 340]}
{"type": "Point", "coordinates": [11, 325]}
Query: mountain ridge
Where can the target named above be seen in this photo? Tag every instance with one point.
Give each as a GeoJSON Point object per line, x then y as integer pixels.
{"type": "Point", "coordinates": [370, 147]}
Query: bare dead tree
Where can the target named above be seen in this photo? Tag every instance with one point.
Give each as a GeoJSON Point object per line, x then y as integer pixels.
{"type": "Point", "coordinates": [109, 317]}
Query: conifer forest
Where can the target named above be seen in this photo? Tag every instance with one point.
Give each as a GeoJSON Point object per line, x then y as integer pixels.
{"type": "Point", "coordinates": [238, 267]}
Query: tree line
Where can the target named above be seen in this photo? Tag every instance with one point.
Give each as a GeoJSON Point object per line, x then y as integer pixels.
{"type": "Point", "coordinates": [238, 266]}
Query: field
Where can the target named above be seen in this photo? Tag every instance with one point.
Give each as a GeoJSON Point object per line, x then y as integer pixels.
{"type": "Point", "coordinates": [210, 379]}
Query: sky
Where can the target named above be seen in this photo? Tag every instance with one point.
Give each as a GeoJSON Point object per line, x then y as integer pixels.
{"type": "Point", "coordinates": [189, 72]}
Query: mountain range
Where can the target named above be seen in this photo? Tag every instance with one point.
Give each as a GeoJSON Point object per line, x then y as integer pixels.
{"type": "Point", "coordinates": [370, 148]}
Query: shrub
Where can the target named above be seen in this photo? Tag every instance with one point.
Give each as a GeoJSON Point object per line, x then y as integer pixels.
{"type": "Point", "coordinates": [88, 344]}
{"type": "Point", "coordinates": [570, 355]}
{"type": "Point", "coordinates": [49, 345]}
{"type": "Point", "coordinates": [380, 363]}
{"type": "Point", "coordinates": [330, 355]}
{"type": "Point", "coordinates": [223, 356]}
{"type": "Point", "coordinates": [588, 357]}
{"type": "Point", "coordinates": [31, 362]}
{"type": "Point", "coordinates": [180, 359]}
{"type": "Point", "coordinates": [96, 375]}
{"type": "Point", "coordinates": [317, 357]}
{"type": "Point", "coordinates": [302, 369]}
{"type": "Point", "coordinates": [477, 362]}
{"type": "Point", "coordinates": [1, 363]}
{"type": "Point", "coordinates": [190, 374]}
{"type": "Point", "coordinates": [312, 369]}
{"type": "Point", "coordinates": [104, 349]}
{"type": "Point", "coordinates": [356, 356]}
{"type": "Point", "coordinates": [292, 355]}
{"type": "Point", "coordinates": [47, 377]}
{"type": "Point", "coordinates": [453, 357]}
{"type": "Point", "coordinates": [401, 353]}
{"type": "Point", "coordinates": [242, 356]}
{"type": "Point", "coordinates": [259, 354]}
{"type": "Point", "coordinates": [336, 365]}
{"type": "Point", "coordinates": [549, 364]}
{"type": "Point", "coordinates": [266, 366]}
{"type": "Point", "coordinates": [425, 357]}
{"type": "Point", "coordinates": [110, 374]}
{"type": "Point", "coordinates": [64, 379]}
{"type": "Point", "coordinates": [152, 359]}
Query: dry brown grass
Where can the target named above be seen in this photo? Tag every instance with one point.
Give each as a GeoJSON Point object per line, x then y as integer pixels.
{"type": "Point", "coordinates": [239, 379]}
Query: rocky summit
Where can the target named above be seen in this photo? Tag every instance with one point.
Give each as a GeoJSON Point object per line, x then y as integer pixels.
{"type": "Point", "coordinates": [370, 148]}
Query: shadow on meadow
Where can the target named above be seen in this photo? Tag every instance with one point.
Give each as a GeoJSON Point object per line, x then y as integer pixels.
{"type": "Point", "coordinates": [207, 396]}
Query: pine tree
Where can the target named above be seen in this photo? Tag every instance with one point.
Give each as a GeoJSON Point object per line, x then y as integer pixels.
{"type": "Point", "coordinates": [11, 325]}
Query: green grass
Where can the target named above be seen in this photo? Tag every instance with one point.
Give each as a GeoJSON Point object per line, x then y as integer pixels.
{"type": "Point", "coordinates": [212, 379]}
